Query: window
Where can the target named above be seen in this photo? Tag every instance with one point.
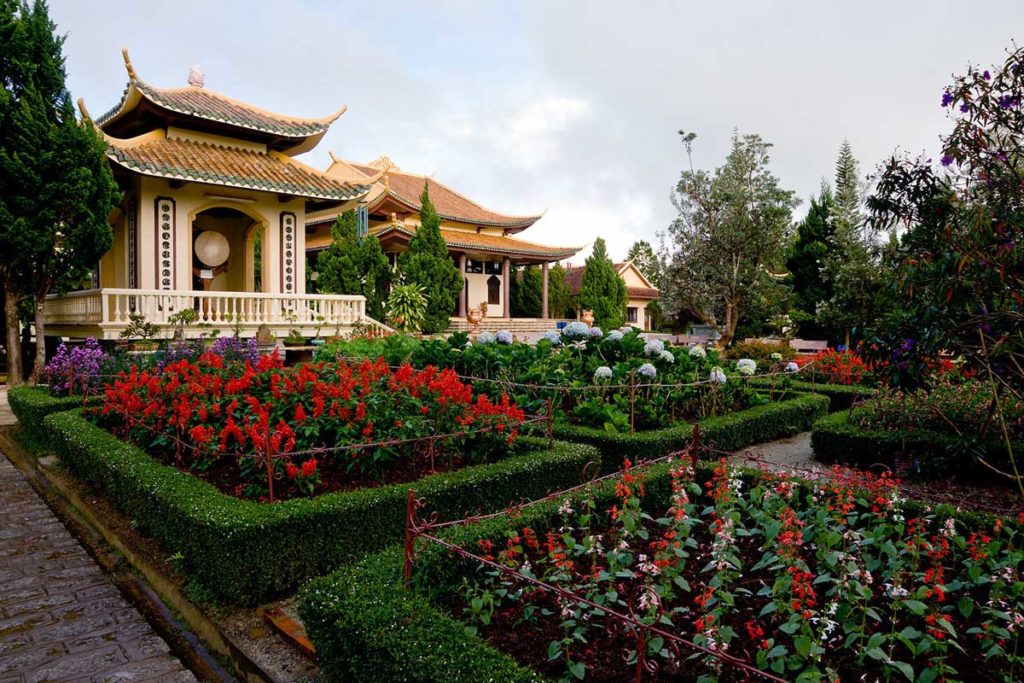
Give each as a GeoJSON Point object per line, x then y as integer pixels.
{"type": "Point", "coordinates": [493, 291]}
{"type": "Point", "coordinates": [492, 267]}
{"type": "Point", "coordinates": [631, 314]}
{"type": "Point", "coordinates": [474, 266]}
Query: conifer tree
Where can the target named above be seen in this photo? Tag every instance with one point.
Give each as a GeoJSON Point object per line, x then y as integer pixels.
{"type": "Point", "coordinates": [57, 186]}
{"type": "Point", "coordinates": [560, 296]}
{"type": "Point", "coordinates": [602, 290]}
{"type": "Point", "coordinates": [351, 265]}
{"type": "Point", "coordinates": [527, 293]}
{"type": "Point", "coordinates": [806, 263]}
{"type": "Point", "coordinates": [428, 265]}
{"type": "Point", "coordinates": [646, 260]}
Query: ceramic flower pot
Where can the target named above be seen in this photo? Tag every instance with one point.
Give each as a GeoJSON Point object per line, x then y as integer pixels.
{"type": "Point", "coordinates": [588, 317]}
{"type": "Point", "coordinates": [474, 317]}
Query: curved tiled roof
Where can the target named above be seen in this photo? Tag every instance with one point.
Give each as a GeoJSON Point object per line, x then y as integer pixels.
{"type": "Point", "coordinates": [211, 106]}
{"type": "Point", "coordinates": [155, 154]}
{"type": "Point", "coordinates": [574, 279]}
{"type": "Point", "coordinates": [470, 241]}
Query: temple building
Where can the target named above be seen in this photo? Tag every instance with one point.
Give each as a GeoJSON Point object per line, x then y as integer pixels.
{"type": "Point", "coordinates": [212, 218]}
{"type": "Point", "coordinates": [639, 291]}
{"type": "Point", "coordinates": [482, 242]}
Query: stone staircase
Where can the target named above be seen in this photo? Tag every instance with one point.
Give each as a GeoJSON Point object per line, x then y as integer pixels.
{"type": "Point", "coordinates": [517, 326]}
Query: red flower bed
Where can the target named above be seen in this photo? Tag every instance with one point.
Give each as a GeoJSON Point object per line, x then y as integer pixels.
{"type": "Point", "coordinates": [293, 431]}
{"type": "Point", "coordinates": [838, 367]}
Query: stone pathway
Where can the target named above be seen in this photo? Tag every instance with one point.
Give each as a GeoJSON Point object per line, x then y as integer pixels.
{"type": "Point", "coordinates": [794, 451]}
{"type": "Point", "coordinates": [61, 618]}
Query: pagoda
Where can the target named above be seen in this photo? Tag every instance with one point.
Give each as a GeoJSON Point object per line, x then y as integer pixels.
{"type": "Point", "coordinates": [212, 217]}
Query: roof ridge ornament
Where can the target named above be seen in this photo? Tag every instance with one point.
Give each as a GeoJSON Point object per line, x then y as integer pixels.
{"type": "Point", "coordinates": [196, 77]}
{"type": "Point", "coordinates": [128, 65]}
{"type": "Point", "coordinates": [384, 163]}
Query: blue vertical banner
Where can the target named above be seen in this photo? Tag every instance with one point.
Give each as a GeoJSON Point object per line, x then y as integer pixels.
{"type": "Point", "coordinates": [362, 221]}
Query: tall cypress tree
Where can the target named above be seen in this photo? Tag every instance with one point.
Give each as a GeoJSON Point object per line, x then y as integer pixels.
{"type": "Point", "coordinates": [560, 296]}
{"type": "Point", "coordinates": [428, 264]}
{"type": "Point", "coordinates": [806, 263]}
{"type": "Point", "coordinates": [527, 293]}
{"type": "Point", "coordinates": [58, 188]}
{"type": "Point", "coordinates": [602, 290]}
{"type": "Point", "coordinates": [351, 265]}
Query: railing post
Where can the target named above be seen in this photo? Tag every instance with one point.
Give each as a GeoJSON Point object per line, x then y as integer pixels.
{"type": "Point", "coordinates": [410, 537]}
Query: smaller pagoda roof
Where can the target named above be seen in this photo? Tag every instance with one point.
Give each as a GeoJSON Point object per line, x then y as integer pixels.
{"type": "Point", "coordinates": [154, 154]}
{"type": "Point", "coordinates": [465, 241]}
{"type": "Point", "coordinates": [404, 189]}
{"type": "Point", "coordinates": [199, 105]}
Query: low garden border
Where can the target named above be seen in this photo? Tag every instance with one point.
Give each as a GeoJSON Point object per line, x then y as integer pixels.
{"type": "Point", "coordinates": [840, 396]}
{"type": "Point", "coordinates": [245, 551]}
{"type": "Point", "coordinates": [835, 440]}
{"type": "Point", "coordinates": [365, 626]}
{"type": "Point", "coordinates": [32, 404]}
{"type": "Point", "coordinates": [731, 432]}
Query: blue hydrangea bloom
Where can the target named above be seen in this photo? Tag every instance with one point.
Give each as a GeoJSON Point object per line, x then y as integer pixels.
{"type": "Point", "coordinates": [603, 372]}
{"type": "Point", "coordinates": [654, 347]}
{"type": "Point", "coordinates": [504, 337]}
{"type": "Point", "coordinates": [717, 375]}
{"type": "Point", "coordinates": [792, 367]}
{"type": "Point", "coordinates": [576, 329]}
{"type": "Point", "coordinates": [647, 370]}
{"type": "Point", "coordinates": [485, 338]}
{"type": "Point", "coordinates": [615, 335]}
{"type": "Point", "coordinates": [553, 336]}
{"type": "Point", "coordinates": [667, 356]}
{"type": "Point", "coordinates": [596, 332]}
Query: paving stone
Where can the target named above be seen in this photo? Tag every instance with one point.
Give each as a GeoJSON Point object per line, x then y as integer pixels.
{"type": "Point", "coordinates": [61, 618]}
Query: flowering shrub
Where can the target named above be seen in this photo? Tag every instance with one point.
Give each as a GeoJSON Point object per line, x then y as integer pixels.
{"type": "Point", "coordinates": [839, 367]}
{"type": "Point", "coordinates": [830, 580]}
{"type": "Point", "coordinates": [76, 370]}
{"type": "Point", "coordinates": [245, 425]}
{"type": "Point", "coordinates": [953, 407]}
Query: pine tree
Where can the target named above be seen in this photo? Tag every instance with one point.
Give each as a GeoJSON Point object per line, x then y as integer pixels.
{"type": "Point", "coordinates": [848, 197]}
{"type": "Point", "coordinates": [338, 264]}
{"type": "Point", "coordinates": [602, 290]}
{"type": "Point", "coordinates": [806, 263]}
{"type": "Point", "coordinates": [646, 260]}
{"type": "Point", "coordinates": [428, 264]}
{"type": "Point", "coordinates": [527, 293]}
{"type": "Point", "coordinates": [351, 265]}
{"type": "Point", "coordinates": [58, 188]}
{"type": "Point", "coordinates": [560, 296]}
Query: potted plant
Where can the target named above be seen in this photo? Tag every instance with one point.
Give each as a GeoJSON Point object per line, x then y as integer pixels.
{"type": "Point", "coordinates": [181, 319]}
{"type": "Point", "coordinates": [407, 307]}
{"type": "Point", "coordinates": [140, 332]}
{"type": "Point", "coordinates": [294, 337]}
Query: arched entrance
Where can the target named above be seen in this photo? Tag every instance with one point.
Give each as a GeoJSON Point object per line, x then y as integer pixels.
{"type": "Point", "coordinates": [226, 250]}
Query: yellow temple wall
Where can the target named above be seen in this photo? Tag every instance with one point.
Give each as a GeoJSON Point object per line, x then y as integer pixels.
{"type": "Point", "coordinates": [192, 199]}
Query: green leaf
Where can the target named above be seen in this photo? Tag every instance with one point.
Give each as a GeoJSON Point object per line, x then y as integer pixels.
{"type": "Point", "coordinates": [578, 670]}
{"type": "Point", "coordinates": [905, 669]}
{"type": "Point", "coordinates": [877, 653]}
{"type": "Point", "coordinates": [916, 606]}
{"type": "Point", "coordinates": [966, 606]}
{"type": "Point", "coordinates": [803, 646]}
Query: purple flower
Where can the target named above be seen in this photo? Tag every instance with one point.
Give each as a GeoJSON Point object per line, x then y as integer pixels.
{"type": "Point", "coordinates": [947, 160]}
{"type": "Point", "coordinates": [75, 368]}
{"type": "Point", "coordinates": [965, 107]}
{"type": "Point", "coordinates": [986, 75]}
{"type": "Point", "coordinates": [947, 98]}
{"type": "Point", "coordinates": [1008, 101]}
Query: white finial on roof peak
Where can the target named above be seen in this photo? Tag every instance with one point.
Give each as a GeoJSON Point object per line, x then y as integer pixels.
{"type": "Point", "coordinates": [196, 77]}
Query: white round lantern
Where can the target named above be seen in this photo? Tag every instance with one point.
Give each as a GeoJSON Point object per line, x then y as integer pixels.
{"type": "Point", "coordinates": [212, 248]}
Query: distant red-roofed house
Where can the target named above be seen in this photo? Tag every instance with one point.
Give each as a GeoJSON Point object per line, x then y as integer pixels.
{"type": "Point", "coordinates": [639, 290]}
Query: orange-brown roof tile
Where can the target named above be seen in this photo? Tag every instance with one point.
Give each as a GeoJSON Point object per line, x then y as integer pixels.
{"type": "Point", "coordinates": [154, 154]}
{"type": "Point", "coordinates": [211, 106]}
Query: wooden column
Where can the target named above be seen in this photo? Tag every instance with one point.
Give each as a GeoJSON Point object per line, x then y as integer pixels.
{"type": "Point", "coordinates": [464, 294]}
{"type": "Point", "coordinates": [506, 300]}
{"type": "Point", "coordinates": [544, 291]}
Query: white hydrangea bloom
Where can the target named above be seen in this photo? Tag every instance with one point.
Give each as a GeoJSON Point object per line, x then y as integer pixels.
{"type": "Point", "coordinates": [776, 356]}
{"type": "Point", "coordinates": [647, 370]}
{"type": "Point", "coordinates": [746, 366]}
{"type": "Point", "coordinates": [697, 351]}
{"type": "Point", "coordinates": [654, 347]}
{"type": "Point", "coordinates": [667, 356]}
{"type": "Point", "coordinates": [603, 372]}
{"type": "Point", "coordinates": [486, 338]}
{"type": "Point", "coordinates": [718, 375]}
{"type": "Point", "coordinates": [615, 335]}
{"type": "Point", "coordinates": [504, 337]}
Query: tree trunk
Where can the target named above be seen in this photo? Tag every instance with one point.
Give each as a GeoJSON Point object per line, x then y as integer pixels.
{"type": "Point", "coordinates": [11, 299]}
{"type": "Point", "coordinates": [40, 324]}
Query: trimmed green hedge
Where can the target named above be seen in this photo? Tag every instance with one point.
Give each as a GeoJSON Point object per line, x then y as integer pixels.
{"type": "Point", "coordinates": [32, 404]}
{"type": "Point", "coordinates": [247, 552]}
{"type": "Point", "coordinates": [730, 432]}
{"type": "Point", "coordinates": [365, 626]}
{"type": "Point", "coordinates": [834, 439]}
{"type": "Point", "coordinates": [840, 396]}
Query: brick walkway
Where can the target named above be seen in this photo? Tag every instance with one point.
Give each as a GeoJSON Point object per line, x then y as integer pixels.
{"type": "Point", "coordinates": [61, 618]}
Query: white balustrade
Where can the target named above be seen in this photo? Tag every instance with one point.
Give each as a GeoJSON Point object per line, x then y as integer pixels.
{"type": "Point", "coordinates": [112, 308]}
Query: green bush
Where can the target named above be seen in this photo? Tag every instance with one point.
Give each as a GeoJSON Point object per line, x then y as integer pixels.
{"type": "Point", "coordinates": [729, 432]}
{"type": "Point", "coordinates": [837, 440]}
{"type": "Point", "coordinates": [247, 552]}
{"type": "Point", "coordinates": [365, 626]}
{"type": "Point", "coordinates": [31, 404]}
{"type": "Point", "coordinates": [840, 396]}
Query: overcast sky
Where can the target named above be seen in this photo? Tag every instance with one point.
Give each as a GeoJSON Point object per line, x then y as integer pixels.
{"type": "Point", "coordinates": [568, 107]}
